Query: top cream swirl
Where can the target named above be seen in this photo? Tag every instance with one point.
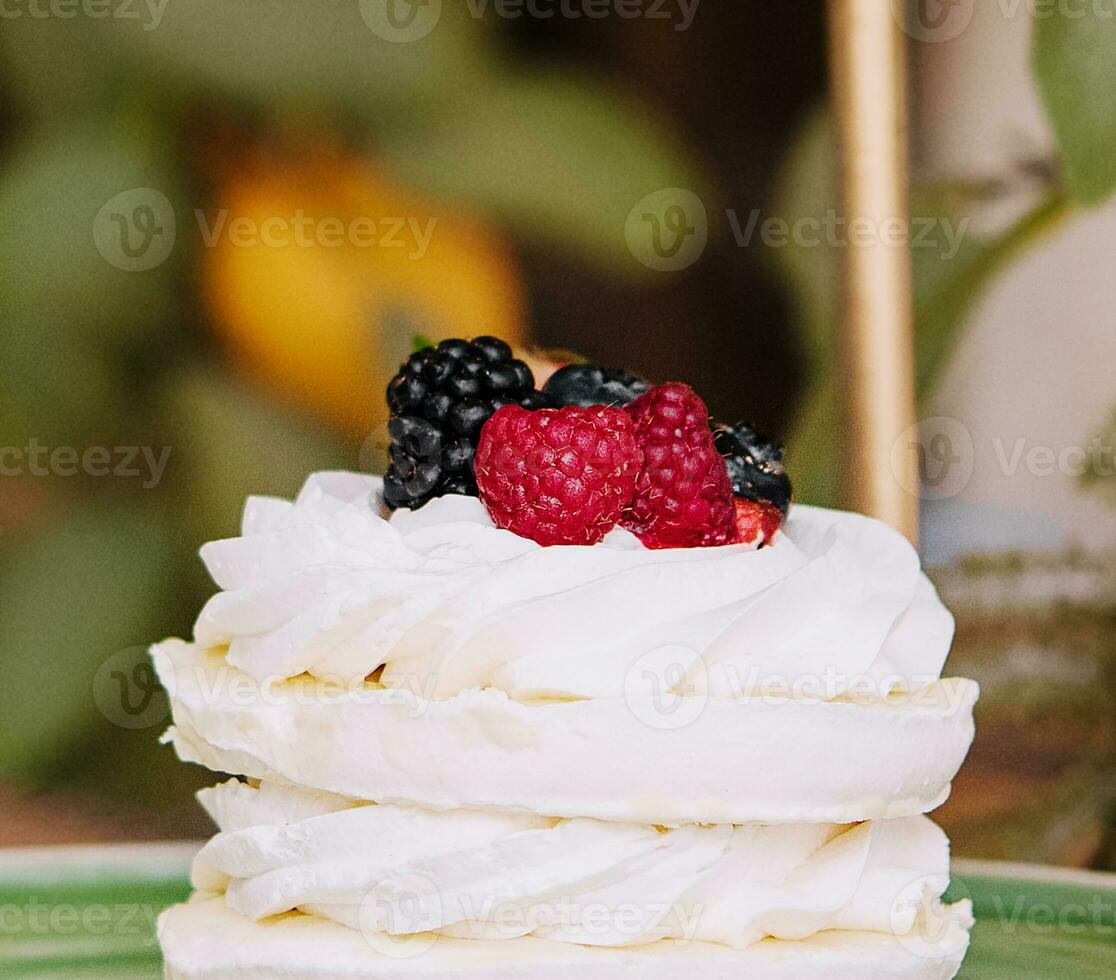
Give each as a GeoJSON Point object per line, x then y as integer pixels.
{"type": "Point", "coordinates": [444, 602]}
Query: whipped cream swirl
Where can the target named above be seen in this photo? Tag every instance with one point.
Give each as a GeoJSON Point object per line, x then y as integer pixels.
{"type": "Point", "coordinates": [441, 601]}
{"type": "Point", "coordinates": [501, 876]}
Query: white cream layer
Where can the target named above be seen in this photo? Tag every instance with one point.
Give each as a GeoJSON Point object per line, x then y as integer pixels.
{"type": "Point", "coordinates": [205, 940]}
{"type": "Point", "coordinates": [756, 760]}
{"type": "Point", "coordinates": [492, 876]}
{"type": "Point", "coordinates": [445, 602]}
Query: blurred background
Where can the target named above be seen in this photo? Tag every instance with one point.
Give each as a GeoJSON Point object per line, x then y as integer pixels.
{"type": "Point", "coordinates": [224, 222]}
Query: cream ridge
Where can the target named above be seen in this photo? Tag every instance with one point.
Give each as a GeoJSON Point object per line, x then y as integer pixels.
{"type": "Point", "coordinates": [499, 876]}
{"type": "Point", "coordinates": [440, 601]}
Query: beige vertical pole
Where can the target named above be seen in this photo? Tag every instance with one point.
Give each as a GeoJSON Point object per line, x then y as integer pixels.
{"type": "Point", "coordinates": [868, 59]}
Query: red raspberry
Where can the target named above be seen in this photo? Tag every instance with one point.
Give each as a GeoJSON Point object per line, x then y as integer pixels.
{"type": "Point", "coordinates": [557, 476]}
{"type": "Point", "coordinates": [683, 495]}
{"type": "Point", "coordinates": [757, 521]}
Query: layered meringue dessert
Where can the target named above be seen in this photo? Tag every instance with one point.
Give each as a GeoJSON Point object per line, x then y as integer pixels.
{"type": "Point", "coordinates": [572, 688]}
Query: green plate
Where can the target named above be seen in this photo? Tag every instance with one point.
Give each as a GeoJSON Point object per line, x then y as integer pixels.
{"type": "Point", "coordinates": [91, 913]}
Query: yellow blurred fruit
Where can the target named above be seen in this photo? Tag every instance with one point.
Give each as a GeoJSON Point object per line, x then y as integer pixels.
{"type": "Point", "coordinates": [318, 272]}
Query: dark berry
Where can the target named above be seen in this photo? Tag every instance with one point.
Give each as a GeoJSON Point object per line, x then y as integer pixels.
{"type": "Point", "coordinates": [419, 439]}
{"type": "Point", "coordinates": [467, 417]}
{"type": "Point", "coordinates": [438, 367]}
{"type": "Point", "coordinates": [501, 378]}
{"type": "Point", "coordinates": [533, 400]}
{"type": "Point", "coordinates": [464, 486]}
{"type": "Point", "coordinates": [415, 482]}
{"type": "Point", "coordinates": [455, 348]}
{"type": "Point", "coordinates": [586, 384]}
{"type": "Point", "coordinates": [755, 465]}
{"type": "Point", "coordinates": [406, 392]}
{"type": "Point", "coordinates": [440, 400]}
{"type": "Point", "coordinates": [457, 457]}
{"type": "Point", "coordinates": [436, 406]}
{"type": "Point", "coordinates": [494, 349]}
{"type": "Point", "coordinates": [464, 386]}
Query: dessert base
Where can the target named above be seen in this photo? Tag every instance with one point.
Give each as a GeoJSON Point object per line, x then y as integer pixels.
{"type": "Point", "coordinates": [205, 940]}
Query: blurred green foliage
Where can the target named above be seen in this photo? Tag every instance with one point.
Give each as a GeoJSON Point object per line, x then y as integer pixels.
{"type": "Point", "coordinates": [66, 315]}
{"type": "Point", "coordinates": [1074, 58]}
{"type": "Point", "coordinates": [75, 595]}
{"type": "Point", "coordinates": [561, 161]}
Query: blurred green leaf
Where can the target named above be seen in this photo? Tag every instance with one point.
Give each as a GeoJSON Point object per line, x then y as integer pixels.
{"type": "Point", "coordinates": [1073, 60]}
{"type": "Point", "coordinates": [51, 66]}
{"type": "Point", "coordinates": [302, 53]}
{"type": "Point", "coordinates": [561, 160]}
{"type": "Point", "coordinates": [1101, 472]}
{"type": "Point", "coordinates": [231, 441]}
{"type": "Point", "coordinates": [89, 587]}
{"type": "Point", "coordinates": [66, 312]}
{"type": "Point", "coordinates": [950, 266]}
{"type": "Point", "coordinates": [951, 275]}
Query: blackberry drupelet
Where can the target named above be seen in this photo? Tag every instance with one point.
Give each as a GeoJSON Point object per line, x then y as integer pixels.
{"type": "Point", "coordinates": [439, 401]}
{"type": "Point", "coordinates": [585, 385]}
{"type": "Point", "coordinates": [755, 465]}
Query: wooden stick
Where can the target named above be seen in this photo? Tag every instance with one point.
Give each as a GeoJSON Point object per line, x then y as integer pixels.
{"type": "Point", "coordinates": [868, 59]}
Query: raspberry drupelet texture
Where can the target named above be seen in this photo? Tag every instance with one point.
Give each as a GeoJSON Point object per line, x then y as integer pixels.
{"type": "Point", "coordinates": [557, 476]}
{"type": "Point", "coordinates": [683, 496]}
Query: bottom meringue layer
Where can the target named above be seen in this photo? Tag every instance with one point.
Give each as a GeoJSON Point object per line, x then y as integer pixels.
{"type": "Point", "coordinates": [205, 940]}
{"type": "Point", "coordinates": [487, 876]}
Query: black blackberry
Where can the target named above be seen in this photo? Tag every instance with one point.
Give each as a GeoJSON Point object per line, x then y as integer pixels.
{"type": "Point", "coordinates": [439, 400]}
{"type": "Point", "coordinates": [587, 384]}
{"type": "Point", "coordinates": [755, 464]}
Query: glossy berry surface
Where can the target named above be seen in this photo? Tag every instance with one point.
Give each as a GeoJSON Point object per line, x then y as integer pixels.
{"type": "Point", "coordinates": [557, 476]}
{"type": "Point", "coordinates": [755, 465]}
{"type": "Point", "coordinates": [683, 496]}
{"type": "Point", "coordinates": [757, 521]}
{"type": "Point", "coordinates": [587, 384]}
{"type": "Point", "coordinates": [439, 400]}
